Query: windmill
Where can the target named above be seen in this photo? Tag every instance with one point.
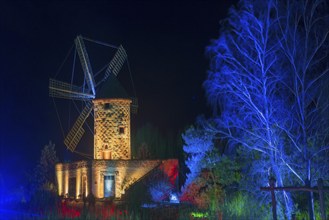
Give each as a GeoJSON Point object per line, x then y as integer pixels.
{"type": "Point", "coordinates": [88, 91]}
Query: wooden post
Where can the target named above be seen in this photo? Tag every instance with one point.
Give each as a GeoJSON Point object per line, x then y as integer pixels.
{"type": "Point", "coordinates": [307, 188]}
{"type": "Point", "coordinates": [310, 202]}
{"type": "Point", "coordinates": [272, 185]}
{"type": "Point", "coordinates": [321, 198]}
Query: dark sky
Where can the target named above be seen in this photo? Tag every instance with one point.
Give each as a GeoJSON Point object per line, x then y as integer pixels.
{"type": "Point", "coordinates": [165, 42]}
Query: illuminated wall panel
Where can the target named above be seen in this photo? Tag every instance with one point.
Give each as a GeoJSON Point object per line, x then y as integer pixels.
{"type": "Point", "coordinates": [59, 178]}
{"type": "Point", "coordinates": [85, 181]}
{"type": "Point", "coordinates": [78, 183]}
{"type": "Point", "coordinates": [66, 181]}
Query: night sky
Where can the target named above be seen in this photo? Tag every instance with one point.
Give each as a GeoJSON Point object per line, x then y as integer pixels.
{"type": "Point", "coordinates": [165, 43]}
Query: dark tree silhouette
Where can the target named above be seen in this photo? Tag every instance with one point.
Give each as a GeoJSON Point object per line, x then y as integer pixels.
{"type": "Point", "coordinates": [151, 142]}
{"type": "Point", "coordinates": [44, 174]}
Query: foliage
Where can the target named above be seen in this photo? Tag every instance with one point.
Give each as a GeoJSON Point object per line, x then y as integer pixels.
{"type": "Point", "coordinates": [302, 206]}
{"type": "Point", "coordinates": [199, 214]}
{"type": "Point", "coordinates": [198, 145]}
{"type": "Point", "coordinates": [227, 171]}
{"type": "Point", "coordinates": [170, 169]}
{"type": "Point", "coordinates": [242, 206]}
{"type": "Point", "coordinates": [204, 192]}
{"type": "Point", "coordinates": [210, 173]}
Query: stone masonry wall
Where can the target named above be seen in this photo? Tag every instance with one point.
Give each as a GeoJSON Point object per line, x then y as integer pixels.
{"type": "Point", "coordinates": [126, 173]}
{"type": "Point", "coordinates": [112, 128]}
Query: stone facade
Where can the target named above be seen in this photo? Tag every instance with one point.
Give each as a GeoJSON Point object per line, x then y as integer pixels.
{"type": "Point", "coordinates": [112, 129]}
{"type": "Point", "coordinates": [79, 172]}
{"type": "Point", "coordinates": [78, 178]}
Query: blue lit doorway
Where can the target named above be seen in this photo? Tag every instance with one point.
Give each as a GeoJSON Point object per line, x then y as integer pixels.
{"type": "Point", "coordinates": [109, 186]}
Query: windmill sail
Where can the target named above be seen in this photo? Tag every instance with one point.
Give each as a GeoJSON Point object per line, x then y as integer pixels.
{"type": "Point", "coordinates": [83, 55]}
{"type": "Point", "coordinates": [59, 89]}
{"type": "Point", "coordinates": [87, 92]}
{"type": "Point", "coordinates": [116, 63]}
{"type": "Point", "coordinates": [71, 144]}
{"type": "Point", "coordinates": [75, 134]}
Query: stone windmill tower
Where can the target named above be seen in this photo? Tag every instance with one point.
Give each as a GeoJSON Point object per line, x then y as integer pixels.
{"type": "Point", "coordinates": [112, 122]}
{"type": "Point", "coordinates": [109, 101]}
{"type": "Point", "coordinates": [111, 172]}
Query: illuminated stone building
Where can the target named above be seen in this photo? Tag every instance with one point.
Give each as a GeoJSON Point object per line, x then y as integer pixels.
{"type": "Point", "coordinates": [112, 171]}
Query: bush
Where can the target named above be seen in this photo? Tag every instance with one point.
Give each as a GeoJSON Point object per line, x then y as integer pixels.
{"type": "Point", "coordinates": [240, 205]}
{"type": "Point", "coordinates": [44, 200]}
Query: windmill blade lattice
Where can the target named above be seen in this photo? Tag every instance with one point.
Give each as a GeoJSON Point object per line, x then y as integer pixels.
{"type": "Point", "coordinates": [75, 134]}
{"type": "Point", "coordinates": [84, 59]}
{"type": "Point", "coordinates": [116, 63]}
{"type": "Point", "coordinates": [59, 89]}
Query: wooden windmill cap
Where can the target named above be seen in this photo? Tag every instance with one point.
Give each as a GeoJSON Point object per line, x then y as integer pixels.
{"type": "Point", "coordinates": [112, 89]}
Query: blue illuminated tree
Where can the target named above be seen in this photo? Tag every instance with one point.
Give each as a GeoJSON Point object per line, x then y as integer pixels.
{"type": "Point", "coordinates": [305, 44]}
{"type": "Point", "coordinates": [198, 148]}
{"type": "Point", "coordinates": [243, 84]}
{"type": "Point", "coordinates": [265, 85]}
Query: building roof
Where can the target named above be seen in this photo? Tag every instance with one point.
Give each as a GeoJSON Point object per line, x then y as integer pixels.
{"type": "Point", "coordinates": [112, 88]}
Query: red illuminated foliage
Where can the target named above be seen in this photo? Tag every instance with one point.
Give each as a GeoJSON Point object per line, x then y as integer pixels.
{"type": "Point", "coordinates": [203, 191]}
{"type": "Point", "coordinates": [170, 168]}
{"type": "Point", "coordinates": [68, 212]}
